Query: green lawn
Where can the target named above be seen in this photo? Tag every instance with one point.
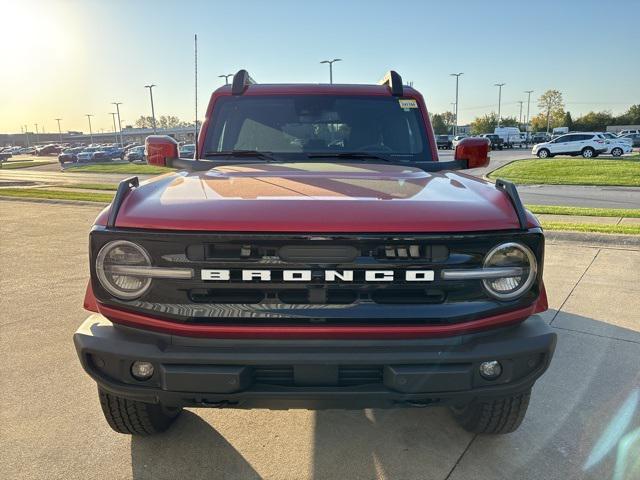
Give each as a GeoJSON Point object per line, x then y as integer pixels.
{"type": "Point", "coordinates": [55, 194]}
{"type": "Point", "coordinates": [573, 171]}
{"type": "Point", "coordinates": [589, 212]}
{"type": "Point", "coordinates": [591, 227]}
{"type": "Point", "coordinates": [91, 186]}
{"type": "Point", "coordinates": [14, 165]}
{"type": "Point", "coordinates": [120, 168]}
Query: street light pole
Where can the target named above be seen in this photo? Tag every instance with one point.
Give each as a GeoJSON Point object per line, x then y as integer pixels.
{"type": "Point", "coordinates": [153, 112]}
{"type": "Point", "coordinates": [520, 117]}
{"type": "Point", "coordinates": [117, 104]}
{"type": "Point", "coordinates": [226, 77]}
{"type": "Point", "coordinates": [330, 62]}
{"type": "Point", "coordinates": [499, 85]}
{"type": "Point", "coordinates": [455, 126]}
{"type": "Point", "coordinates": [88, 115]}
{"type": "Point", "coordinates": [37, 138]}
{"type": "Point", "coordinates": [528, 92]}
{"type": "Point", "coordinates": [115, 131]}
{"type": "Point", "coordinates": [59, 129]}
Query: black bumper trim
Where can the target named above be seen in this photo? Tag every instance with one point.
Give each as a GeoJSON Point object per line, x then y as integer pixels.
{"type": "Point", "coordinates": [223, 373]}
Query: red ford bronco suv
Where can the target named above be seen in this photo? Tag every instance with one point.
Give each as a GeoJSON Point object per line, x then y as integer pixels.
{"type": "Point", "coordinates": [315, 253]}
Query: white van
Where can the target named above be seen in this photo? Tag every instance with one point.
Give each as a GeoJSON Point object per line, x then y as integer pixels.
{"type": "Point", "coordinates": [510, 136]}
{"type": "Point", "coordinates": [560, 131]}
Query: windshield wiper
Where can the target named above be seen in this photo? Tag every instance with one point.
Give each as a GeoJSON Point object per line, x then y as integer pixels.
{"type": "Point", "coordinates": [349, 155]}
{"type": "Point", "coordinates": [242, 154]}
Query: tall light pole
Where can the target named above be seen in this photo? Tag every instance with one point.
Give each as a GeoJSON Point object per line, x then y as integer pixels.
{"type": "Point", "coordinates": [88, 115]}
{"type": "Point", "coordinates": [115, 131]}
{"type": "Point", "coordinates": [528, 92]}
{"type": "Point", "coordinates": [226, 77]}
{"type": "Point", "coordinates": [117, 104]}
{"type": "Point", "coordinates": [153, 112]}
{"type": "Point", "coordinates": [499, 85]}
{"type": "Point", "coordinates": [455, 114]}
{"type": "Point", "coordinates": [520, 117]}
{"type": "Point", "coordinates": [37, 139]}
{"type": "Point", "coordinates": [59, 129]}
{"type": "Point", "coordinates": [330, 62]}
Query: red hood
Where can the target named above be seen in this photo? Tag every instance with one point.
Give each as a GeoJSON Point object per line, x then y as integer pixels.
{"type": "Point", "coordinates": [317, 197]}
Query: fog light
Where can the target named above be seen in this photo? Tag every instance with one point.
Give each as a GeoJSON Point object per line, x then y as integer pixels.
{"type": "Point", "coordinates": [490, 370]}
{"type": "Point", "coordinates": [142, 370]}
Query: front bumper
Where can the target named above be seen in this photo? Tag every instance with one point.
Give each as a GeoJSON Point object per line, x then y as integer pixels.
{"type": "Point", "coordinates": [312, 374]}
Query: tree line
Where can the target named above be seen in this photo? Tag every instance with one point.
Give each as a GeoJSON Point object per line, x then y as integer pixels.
{"type": "Point", "coordinates": [164, 121]}
{"type": "Point", "coordinates": [552, 114]}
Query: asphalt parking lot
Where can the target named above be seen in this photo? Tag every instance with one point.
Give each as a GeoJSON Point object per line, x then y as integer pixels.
{"type": "Point", "coordinates": [583, 421]}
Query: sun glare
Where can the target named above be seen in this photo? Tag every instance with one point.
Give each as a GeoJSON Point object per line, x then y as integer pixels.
{"type": "Point", "coordinates": [32, 36]}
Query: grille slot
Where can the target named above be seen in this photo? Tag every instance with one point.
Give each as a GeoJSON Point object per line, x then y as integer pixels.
{"type": "Point", "coordinates": [348, 375]}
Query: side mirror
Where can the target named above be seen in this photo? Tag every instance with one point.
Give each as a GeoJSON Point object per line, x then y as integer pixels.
{"type": "Point", "coordinates": [160, 149]}
{"type": "Point", "coordinates": [475, 151]}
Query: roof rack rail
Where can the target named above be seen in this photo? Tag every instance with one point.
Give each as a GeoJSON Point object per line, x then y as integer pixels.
{"type": "Point", "coordinates": [124, 187]}
{"type": "Point", "coordinates": [241, 81]}
{"type": "Point", "coordinates": [393, 80]}
{"type": "Point", "coordinates": [510, 189]}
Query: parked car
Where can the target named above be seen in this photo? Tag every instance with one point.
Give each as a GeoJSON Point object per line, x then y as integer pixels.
{"type": "Point", "coordinates": [457, 139]}
{"type": "Point", "coordinates": [114, 152]}
{"type": "Point", "coordinates": [188, 150]}
{"type": "Point", "coordinates": [47, 150]}
{"type": "Point", "coordinates": [135, 153]}
{"type": "Point", "coordinates": [635, 138]}
{"type": "Point", "coordinates": [496, 141]}
{"type": "Point", "coordinates": [511, 136]}
{"type": "Point", "coordinates": [444, 141]}
{"type": "Point", "coordinates": [540, 137]}
{"type": "Point", "coordinates": [622, 133]}
{"type": "Point", "coordinates": [617, 146]}
{"type": "Point", "coordinates": [90, 154]}
{"type": "Point", "coordinates": [588, 144]}
{"type": "Point", "coordinates": [69, 155]}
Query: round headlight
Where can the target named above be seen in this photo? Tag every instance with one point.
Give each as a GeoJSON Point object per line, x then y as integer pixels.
{"type": "Point", "coordinates": [505, 256]}
{"type": "Point", "coordinates": [121, 253]}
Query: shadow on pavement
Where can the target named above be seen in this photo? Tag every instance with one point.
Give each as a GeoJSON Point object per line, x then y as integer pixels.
{"type": "Point", "coordinates": [192, 449]}
{"type": "Point", "coordinates": [583, 422]}
{"type": "Point", "coordinates": [405, 443]}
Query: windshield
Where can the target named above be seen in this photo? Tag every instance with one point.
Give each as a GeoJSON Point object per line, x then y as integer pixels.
{"type": "Point", "coordinates": [287, 126]}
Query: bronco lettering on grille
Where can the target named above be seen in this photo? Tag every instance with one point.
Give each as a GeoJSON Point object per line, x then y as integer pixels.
{"type": "Point", "coordinates": [327, 275]}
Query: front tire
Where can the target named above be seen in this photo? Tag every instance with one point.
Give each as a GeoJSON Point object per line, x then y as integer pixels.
{"type": "Point", "coordinates": [136, 418]}
{"type": "Point", "coordinates": [616, 152]}
{"type": "Point", "coordinates": [543, 153]}
{"type": "Point", "coordinates": [588, 152]}
{"type": "Point", "coordinates": [493, 416]}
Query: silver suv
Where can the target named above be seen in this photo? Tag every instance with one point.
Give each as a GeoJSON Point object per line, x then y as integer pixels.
{"type": "Point", "coordinates": [587, 144]}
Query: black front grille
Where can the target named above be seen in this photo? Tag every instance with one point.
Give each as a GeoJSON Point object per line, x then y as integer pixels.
{"type": "Point", "coordinates": [316, 300]}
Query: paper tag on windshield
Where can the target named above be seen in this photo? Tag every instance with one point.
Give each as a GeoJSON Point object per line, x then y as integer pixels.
{"type": "Point", "coordinates": [408, 103]}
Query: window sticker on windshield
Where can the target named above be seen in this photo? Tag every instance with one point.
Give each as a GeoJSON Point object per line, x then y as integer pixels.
{"type": "Point", "coordinates": [408, 103]}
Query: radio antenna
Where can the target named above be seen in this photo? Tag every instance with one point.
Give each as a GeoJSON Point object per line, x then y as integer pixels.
{"type": "Point", "coordinates": [195, 45]}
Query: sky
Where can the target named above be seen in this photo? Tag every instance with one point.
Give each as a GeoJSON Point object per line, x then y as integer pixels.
{"type": "Point", "coordinates": [67, 58]}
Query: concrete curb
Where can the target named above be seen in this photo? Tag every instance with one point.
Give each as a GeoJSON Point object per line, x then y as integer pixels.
{"type": "Point", "coordinates": [593, 239]}
{"type": "Point", "coordinates": [53, 201]}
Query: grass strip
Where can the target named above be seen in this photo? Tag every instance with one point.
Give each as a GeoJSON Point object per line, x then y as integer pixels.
{"type": "Point", "coordinates": [593, 228]}
{"type": "Point", "coordinates": [90, 186]}
{"type": "Point", "coordinates": [120, 168]}
{"type": "Point", "coordinates": [55, 194]}
{"type": "Point", "coordinates": [15, 165]}
{"type": "Point", "coordinates": [585, 211]}
{"type": "Point", "coordinates": [570, 171]}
